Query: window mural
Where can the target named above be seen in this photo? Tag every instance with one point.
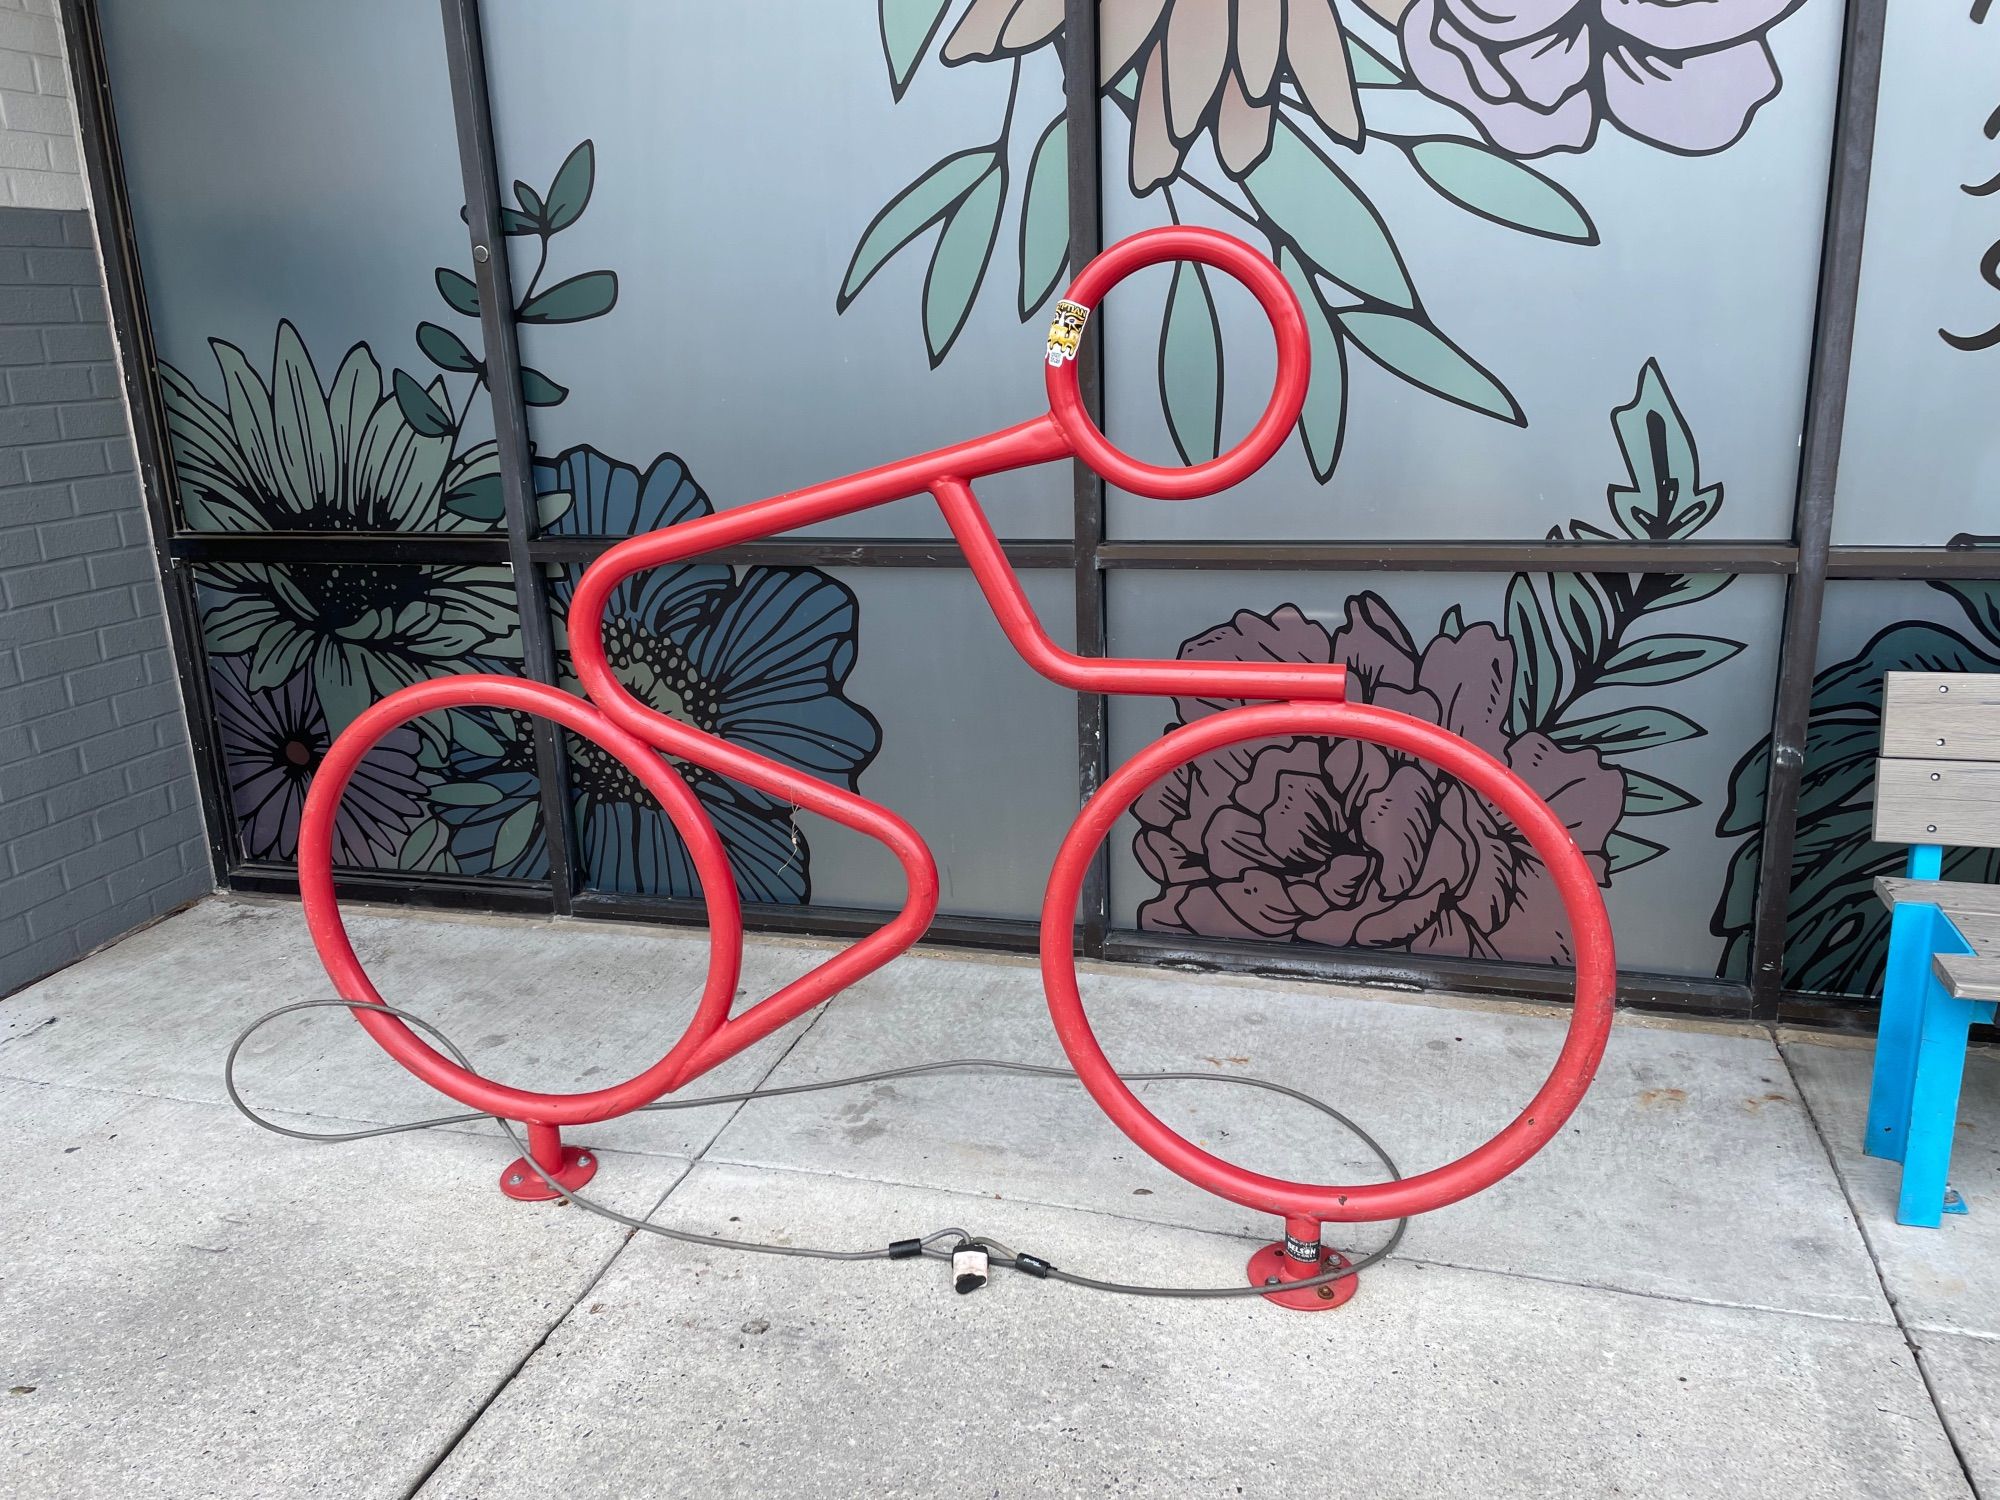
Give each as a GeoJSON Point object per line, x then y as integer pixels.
{"type": "Point", "coordinates": [757, 655]}
{"type": "Point", "coordinates": [1263, 111]}
{"type": "Point", "coordinates": [1344, 844]}
{"type": "Point", "coordinates": [1925, 372]}
{"type": "Point", "coordinates": [1837, 931]}
{"type": "Point", "coordinates": [296, 651]}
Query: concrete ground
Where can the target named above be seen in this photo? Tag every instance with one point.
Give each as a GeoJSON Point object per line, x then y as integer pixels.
{"type": "Point", "coordinates": [1698, 1290]}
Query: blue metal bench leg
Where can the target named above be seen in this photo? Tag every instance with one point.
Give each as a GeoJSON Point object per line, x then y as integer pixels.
{"type": "Point", "coordinates": [1911, 938]}
{"type": "Point", "coordinates": [1933, 1107]}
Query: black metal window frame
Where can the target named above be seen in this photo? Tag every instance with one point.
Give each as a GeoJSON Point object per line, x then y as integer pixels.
{"type": "Point", "coordinates": [1806, 560]}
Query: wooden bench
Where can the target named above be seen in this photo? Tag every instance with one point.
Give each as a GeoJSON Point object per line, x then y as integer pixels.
{"type": "Point", "coordinates": [1937, 785]}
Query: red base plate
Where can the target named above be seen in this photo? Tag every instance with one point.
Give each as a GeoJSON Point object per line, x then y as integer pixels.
{"type": "Point", "coordinates": [523, 1182]}
{"type": "Point", "coordinates": [1270, 1262]}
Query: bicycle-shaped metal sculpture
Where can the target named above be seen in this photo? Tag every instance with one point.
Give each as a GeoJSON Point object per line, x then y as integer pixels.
{"type": "Point", "coordinates": [1289, 700]}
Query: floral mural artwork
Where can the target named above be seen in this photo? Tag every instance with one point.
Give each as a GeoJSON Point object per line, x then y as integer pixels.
{"type": "Point", "coordinates": [757, 655]}
{"type": "Point", "coordinates": [1989, 262]}
{"type": "Point", "coordinates": [1539, 77]}
{"type": "Point", "coordinates": [1307, 840]}
{"type": "Point", "coordinates": [1837, 929]}
{"type": "Point", "coordinates": [1259, 108]}
{"type": "Point", "coordinates": [273, 740]}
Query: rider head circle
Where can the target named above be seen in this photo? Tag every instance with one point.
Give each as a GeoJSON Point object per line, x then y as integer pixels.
{"type": "Point", "coordinates": [1288, 392]}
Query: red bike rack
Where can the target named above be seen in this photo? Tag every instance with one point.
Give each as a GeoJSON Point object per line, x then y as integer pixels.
{"type": "Point", "coordinates": [1291, 700]}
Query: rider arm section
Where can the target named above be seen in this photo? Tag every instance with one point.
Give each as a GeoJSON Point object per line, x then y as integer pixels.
{"type": "Point", "coordinates": [1254, 680]}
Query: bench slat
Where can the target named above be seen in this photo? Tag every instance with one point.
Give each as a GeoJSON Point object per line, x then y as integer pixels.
{"type": "Point", "coordinates": [1941, 715]}
{"type": "Point", "coordinates": [1968, 976]}
{"type": "Point", "coordinates": [1952, 802]}
{"type": "Point", "coordinates": [1967, 896]}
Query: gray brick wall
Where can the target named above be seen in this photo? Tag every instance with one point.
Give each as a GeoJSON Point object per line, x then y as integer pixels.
{"type": "Point", "coordinates": [100, 819]}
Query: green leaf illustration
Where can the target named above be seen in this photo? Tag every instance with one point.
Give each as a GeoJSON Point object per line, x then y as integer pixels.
{"type": "Point", "coordinates": [1045, 218]}
{"type": "Point", "coordinates": [907, 28]}
{"type": "Point", "coordinates": [1324, 214]}
{"type": "Point", "coordinates": [923, 203]}
{"type": "Point", "coordinates": [1190, 366]}
{"type": "Point", "coordinates": [419, 410]}
{"type": "Point", "coordinates": [1629, 729]}
{"type": "Point", "coordinates": [1412, 350]}
{"type": "Point", "coordinates": [1580, 613]}
{"type": "Point", "coordinates": [1452, 622]}
{"type": "Point", "coordinates": [1370, 69]}
{"type": "Point", "coordinates": [427, 847]}
{"type": "Point", "coordinates": [1323, 418]}
{"type": "Point", "coordinates": [467, 730]}
{"type": "Point", "coordinates": [1980, 601]}
{"type": "Point", "coordinates": [1538, 662]}
{"type": "Point", "coordinates": [1648, 796]}
{"type": "Point", "coordinates": [530, 201]}
{"type": "Point", "coordinates": [551, 506]}
{"type": "Point", "coordinates": [1665, 499]}
{"type": "Point", "coordinates": [478, 499]}
{"type": "Point", "coordinates": [958, 264]}
{"type": "Point", "coordinates": [1500, 188]}
{"type": "Point", "coordinates": [466, 794]}
{"type": "Point", "coordinates": [1656, 659]}
{"type": "Point", "coordinates": [446, 349]}
{"type": "Point", "coordinates": [460, 291]}
{"type": "Point", "coordinates": [516, 829]}
{"type": "Point", "coordinates": [590, 295]}
{"type": "Point", "coordinates": [571, 189]}
{"type": "Point", "coordinates": [1623, 851]}
{"type": "Point", "coordinates": [1686, 588]}
{"type": "Point", "coordinates": [538, 390]}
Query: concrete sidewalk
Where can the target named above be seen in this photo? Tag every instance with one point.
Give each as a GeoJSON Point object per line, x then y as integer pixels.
{"type": "Point", "coordinates": [1676, 1299]}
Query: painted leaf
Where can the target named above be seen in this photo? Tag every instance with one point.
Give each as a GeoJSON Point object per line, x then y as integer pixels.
{"type": "Point", "coordinates": [1622, 851]}
{"type": "Point", "coordinates": [923, 203]}
{"type": "Point", "coordinates": [511, 839]}
{"type": "Point", "coordinates": [466, 794]}
{"type": "Point", "coordinates": [538, 390]}
{"type": "Point", "coordinates": [1502, 189]}
{"type": "Point", "coordinates": [479, 499]}
{"type": "Point", "coordinates": [1370, 68]}
{"type": "Point", "coordinates": [1665, 498]}
{"type": "Point", "coordinates": [1323, 418]}
{"type": "Point", "coordinates": [1687, 588]}
{"type": "Point", "coordinates": [551, 506]}
{"type": "Point", "coordinates": [446, 349]}
{"type": "Point", "coordinates": [1045, 218]}
{"type": "Point", "coordinates": [1580, 614]}
{"type": "Point", "coordinates": [590, 295]}
{"type": "Point", "coordinates": [529, 199]}
{"type": "Point", "coordinates": [1452, 622]}
{"type": "Point", "coordinates": [1980, 601]}
{"type": "Point", "coordinates": [513, 221]}
{"type": "Point", "coordinates": [1538, 673]}
{"type": "Point", "coordinates": [1335, 228]}
{"type": "Point", "coordinates": [427, 847]}
{"type": "Point", "coordinates": [958, 264]}
{"type": "Point", "coordinates": [1412, 350]}
{"type": "Point", "coordinates": [460, 291]}
{"type": "Point", "coordinates": [907, 28]}
{"type": "Point", "coordinates": [1191, 366]}
{"type": "Point", "coordinates": [468, 731]}
{"type": "Point", "coordinates": [422, 413]}
{"type": "Point", "coordinates": [1648, 796]}
{"type": "Point", "coordinates": [1629, 729]}
{"type": "Point", "coordinates": [571, 189]}
{"type": "Point", "coordinates": [1655, 659]}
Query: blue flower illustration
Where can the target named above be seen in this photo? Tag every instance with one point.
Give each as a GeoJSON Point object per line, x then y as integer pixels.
{"type": "Point", "coordinates": [759, 656]}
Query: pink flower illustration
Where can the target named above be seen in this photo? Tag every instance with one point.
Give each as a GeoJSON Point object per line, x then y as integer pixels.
{"type": "Point", "coordinates": [1538, 75]}
{"type": "Point", "coordinates": [1347, 844]}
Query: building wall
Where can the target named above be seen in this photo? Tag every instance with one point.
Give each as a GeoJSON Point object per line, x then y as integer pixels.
{"type": "Point", "coordinates": [100, 819]}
